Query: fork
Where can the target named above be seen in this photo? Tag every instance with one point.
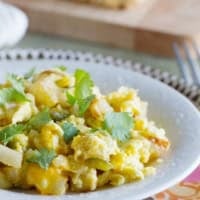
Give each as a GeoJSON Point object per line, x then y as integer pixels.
{"type": "Point", "coordinates": [188, 65]}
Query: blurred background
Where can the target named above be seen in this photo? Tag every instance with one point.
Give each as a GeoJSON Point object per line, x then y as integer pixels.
{"type": "Point", "coordinates": [140, 30]}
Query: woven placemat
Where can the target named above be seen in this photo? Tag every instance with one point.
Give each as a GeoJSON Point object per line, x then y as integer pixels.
{"type": "Point", "coordinates": [192, 92]}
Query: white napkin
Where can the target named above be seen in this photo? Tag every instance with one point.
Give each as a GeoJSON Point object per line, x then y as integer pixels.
{"type": "Point", "coordinates": [13, 25]}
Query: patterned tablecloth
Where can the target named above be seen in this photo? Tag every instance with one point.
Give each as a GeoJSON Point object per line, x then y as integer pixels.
{"type": "Point", "coordinates": [188, 189]}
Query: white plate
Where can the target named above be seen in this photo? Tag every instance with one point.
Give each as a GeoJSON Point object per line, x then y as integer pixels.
{"type": "Point", "coordinates": [166, 106]}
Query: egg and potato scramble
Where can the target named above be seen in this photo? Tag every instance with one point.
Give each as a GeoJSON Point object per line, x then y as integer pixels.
{"type": "Point", "coordinates": [59, 134]}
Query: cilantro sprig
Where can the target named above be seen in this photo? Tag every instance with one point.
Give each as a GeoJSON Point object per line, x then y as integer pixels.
{"type": "Point", "coordinates": [83, 84]}
{"type": "Point", "coordinates": [42, 157]}
{"type": "Point", "coordinates": [8, 95]}
{"type": "Point", "coordinates": [30, 73]}
{"type": "Point", "coordinates": [7, 133]}
{"type": "Point", "coordinates": [36, 122]}
{"type": "Point", "coordinates": [70, 131]}
{"type": "Point", "coordinates": [16, 82]}
{"type": "Point", "coordinates": [39, 120]}
{"type": "Point", "coordinates": [14, 93]}
{"type": "Point", "coordinates": [83, 91]}
{"type": "Point", "coordinates": [118, 124]}
{"type": "Point", "coordinates": [61, 68]}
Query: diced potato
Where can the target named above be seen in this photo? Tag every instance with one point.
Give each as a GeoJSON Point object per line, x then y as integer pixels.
{"type": "Point", "coordinates": [4, 183]}
{"type": "Point", "coordinates": [10, 157]}
{"type": "Point", "coordinates": [61, 162]}
{"type": "Point", "coordinates": [46, 91]}
{"type": "Point", "coordinates": [99, 107]}
{"type": "Point", "coordinates": [84, 181]}
{"type": "Point", "coordinates": [13, 175]}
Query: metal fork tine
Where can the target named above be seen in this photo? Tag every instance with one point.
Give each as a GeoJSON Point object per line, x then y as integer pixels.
{"type": "Point", "coordinates": [184, 68]}
{"type": "Point", "coordinates": [193, 63]}
{"type": "Point", "coordinates": [197, 50]}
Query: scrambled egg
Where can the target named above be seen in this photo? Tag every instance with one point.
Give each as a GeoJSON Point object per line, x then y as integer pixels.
{"type": "Point", "coordinates": [63, 149]}
{"type": "Point", "coordinates": [97, 145]}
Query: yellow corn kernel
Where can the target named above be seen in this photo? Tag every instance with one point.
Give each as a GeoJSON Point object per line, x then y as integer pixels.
{"type": "Point", "coordinates": [89, 180]}
{"type": "Point", "coordinates": [118, 160]}
{"type": "Point", "coordinates": [49, 140]}
{"type": "Point", "coordinates": [122, 95]}
{"type": "Point", "coordinates": [63, 82]}
{"type": "Point", "coordinates": [148, 171]}
{"type": "Point", "coordinates": [139, 124]}
{"type": "Point", "coordinates": [103, 179]}
{"type": "Point", "coordinates": [117, 179]}
{"type": "Point", "coordinates": [48, 181]}
{"type": "Point", "coordinates": [54, 128]}
{"type": "Point", "coordinates": [50, 136]}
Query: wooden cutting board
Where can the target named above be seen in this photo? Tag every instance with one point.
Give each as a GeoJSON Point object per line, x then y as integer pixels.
{"type": "Point", "coordinates": [150, 27]}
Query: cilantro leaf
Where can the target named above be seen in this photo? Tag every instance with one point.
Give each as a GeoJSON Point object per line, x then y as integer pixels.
{"type": "Point", "coordinates": [43, 157]}
{"type": "Point", "coordinates": [16, 82]}
{"type": "Point", "coordinates": [8, 95]}
{"type": "Point", "coordinates": [83, 92]}
{"type": "Point", "coordinates": [83, 84]}
{"type": "Point", "coordinates": [39, 120]}
{"type": "Point", "coordinates": [30, 73]}
{"type": "Point", "coordinates": [70, 131]}
{"type": "Point", "coordinates": [118, 125]}
{"type": "Point", "coordinates": [9, 132]}
{"type": "Point", "coordinates": [84, 104]}
{"type": "Point", "coordinates": [62, 68]}
{"type": "Point", "coordinates": [71, 99]}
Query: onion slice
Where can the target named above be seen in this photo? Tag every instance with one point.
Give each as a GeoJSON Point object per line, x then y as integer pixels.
{"type": "Point", "coordinates": [10, 157]}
